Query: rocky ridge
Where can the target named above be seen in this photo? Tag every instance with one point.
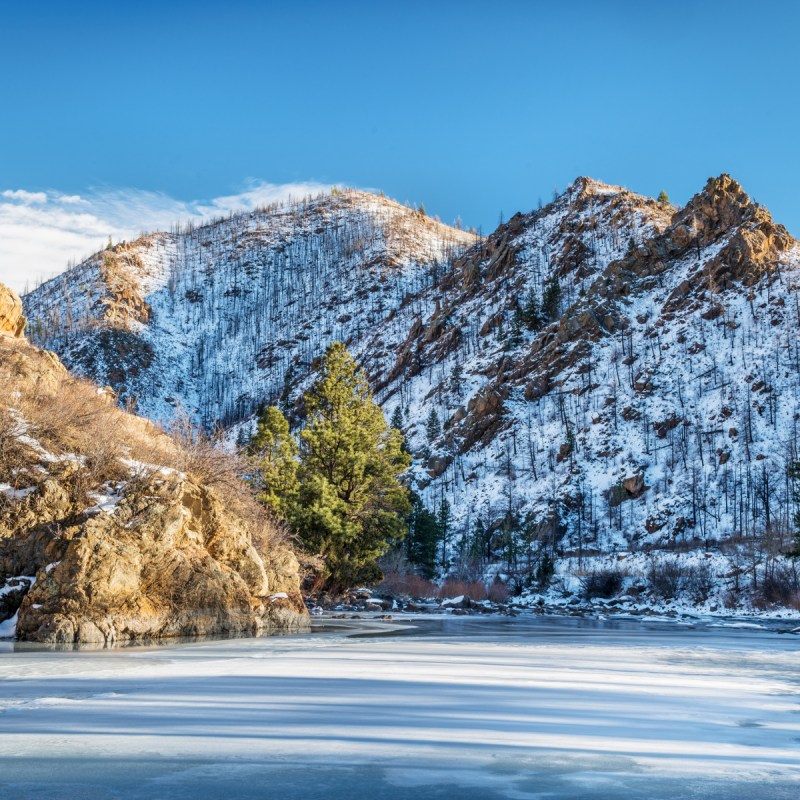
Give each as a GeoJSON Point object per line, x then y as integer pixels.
{"type": "Point", "coordinates": [12, 321]}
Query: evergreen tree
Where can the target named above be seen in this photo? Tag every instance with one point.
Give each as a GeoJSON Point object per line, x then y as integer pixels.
{"type": "Point", "coordinates": [551, 298]}
{"type": "Point", "coordinates": [531, 313]}
{"type": "Point", "coordinates": [351, 504]}
{"type": "Point", "coordinates": [397, 424]}
{"type": "Point", "coordinates": [433, 427]}
{"type": "Point", "coordinates": [274, 454]}
{"type": "Point", "coordinates": [793, 472]}
{"type": "Point", "coordinates": [397, 418]}
{"type": "Point", "coordinates": [663, 197]}
{"type": "Point", "coordinates": [422, 542]}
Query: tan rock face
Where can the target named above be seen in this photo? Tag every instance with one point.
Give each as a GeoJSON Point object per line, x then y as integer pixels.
{"type": "Point", "coordinates": [12, 322]}
{"type": "Point", "coordinates": [170, 558]}
{"type": "Point", "coordinates": [168, 562]}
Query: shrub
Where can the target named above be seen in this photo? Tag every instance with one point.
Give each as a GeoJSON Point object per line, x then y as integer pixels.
{"type": "Point", "coordinates": [666, 577]}
{"type": "Point", "coordinates": [407, 585]}
{"type": "Point", "coordinates": [498, 592]}
{"type": "Point", "coordinates": [545, 570]}
{"type": "Point", "coordinates": [779, 586]}
{"type": "Point", "coordinates": [452, 587]}
{"type": "Point", "coordinates": [602, 583]}
{"type": "Point", "coordinates": [699, 582]}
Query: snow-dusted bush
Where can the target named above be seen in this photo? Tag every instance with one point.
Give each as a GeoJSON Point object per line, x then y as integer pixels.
{"type": "Point", "coordinates": [700, 582]}
{"type": "Point", "coordinates": [603, 583]}
{"type": "Point", "coordinates": [666, 577]}
{"type": "Point", "coordinates": [780, 585]}
{"type": "Point", "coordinates": [497, 592]}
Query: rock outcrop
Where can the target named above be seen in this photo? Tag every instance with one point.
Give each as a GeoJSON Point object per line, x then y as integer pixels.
{"type": "Point", "coordinates": [12, 322]}
{"type": "Point", "coordinates": [169, 560]}
{"type": "Point", "coordinates": [107, 535]}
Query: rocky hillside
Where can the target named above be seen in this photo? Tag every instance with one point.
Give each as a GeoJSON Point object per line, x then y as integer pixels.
{"type": "Point", "coordinates": [220, 318]}
{"type": "Point", "coordinates": [606, 374]}
{"type": "Point", "coordinates": [110, 530]}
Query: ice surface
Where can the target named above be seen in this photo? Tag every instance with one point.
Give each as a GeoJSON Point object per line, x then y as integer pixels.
{"type": "Point", "coordinates": [468, 709]}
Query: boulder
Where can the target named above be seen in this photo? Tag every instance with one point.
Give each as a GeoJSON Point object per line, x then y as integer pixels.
{"type": "Point", "coordinates": [12, 322]}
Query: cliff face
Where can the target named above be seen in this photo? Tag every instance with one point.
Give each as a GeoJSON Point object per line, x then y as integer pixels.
{"type": "Point", "coordinates": [109, 533]}
{"type": "Point", "coordinates": [167, 561]}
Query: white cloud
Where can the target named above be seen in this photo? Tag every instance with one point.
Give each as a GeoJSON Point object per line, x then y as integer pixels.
{"type": "Point", "coordinates": [40, 232]}
{"type": "Point", "coordinates": [25, 197]}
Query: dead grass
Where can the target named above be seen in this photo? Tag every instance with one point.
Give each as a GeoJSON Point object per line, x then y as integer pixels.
{"type": "Point", "coordinates": [69, 416]}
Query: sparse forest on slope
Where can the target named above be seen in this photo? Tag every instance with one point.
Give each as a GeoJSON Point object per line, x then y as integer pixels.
{"type": "Point", "coordinates": [222, 318]}
{"type": "Point", "coordinates": [607, 374]}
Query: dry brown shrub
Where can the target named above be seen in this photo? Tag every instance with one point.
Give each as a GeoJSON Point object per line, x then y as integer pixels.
{"type": "Point", "coordinates": [71, 416]}
{"type": "Point", "coordinates": [476, 590]}
{"type": "Point", "coordinates": [498, 592]}
{"type": "Point", "coordinates": [204, 458]}
{"type": "Point", "coordinates": [454, 587]}
{"type": "Point", "coordinates": [407, 584]}
{"type": "Point", "coordinates": [12, 451]}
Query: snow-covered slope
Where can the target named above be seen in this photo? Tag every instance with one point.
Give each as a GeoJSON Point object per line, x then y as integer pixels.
{"type": "Point", "coordinates": [609, 372]}
{"type": "Point", "coordinates": [221, 318]}
{"type": "Point", "coordinates": [659, 409]}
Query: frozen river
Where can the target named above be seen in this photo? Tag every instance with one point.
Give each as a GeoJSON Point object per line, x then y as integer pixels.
{"type": "Point", "coordinates": [460, 708]}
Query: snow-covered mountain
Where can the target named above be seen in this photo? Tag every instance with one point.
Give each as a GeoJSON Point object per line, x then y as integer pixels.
{"type": "Point", "coordinates": [660, 406]}
{"type": "Point", "coordinates": [219, 319]}
{"type": "Point", "coordinates": [607, 372]}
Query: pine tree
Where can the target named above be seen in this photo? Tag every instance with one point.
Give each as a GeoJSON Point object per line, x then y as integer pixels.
{"type": "Point", "coordinates": [663, 197]}
{"type": "Point", "coordinates": [551, 298]}
{"type": "Point", "coordinates": [397, 424]}
{"type": "Point", "coordinates": [397, 418]}
{"type": "Point", "coordinates": [433, 427]}
{"type": "Point", "coordinates": [351, 505]}
{"type": "Point", "coordinates": [530, 313]}
{"type": "Point", "coordinates": [422, 542]}
{"type": "Point", "coordinates": [274, 454]}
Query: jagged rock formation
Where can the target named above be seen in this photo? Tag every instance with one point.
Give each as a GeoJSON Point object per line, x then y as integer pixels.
{"type": "Point", "coordinates": [106, 532]}
{"type": "Point", "coordinates": [12, 322]}
{"type": "Point", "coordinates": [609, 372]}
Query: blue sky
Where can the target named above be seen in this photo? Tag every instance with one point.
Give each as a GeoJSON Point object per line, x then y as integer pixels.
{"type": "Point", "coordinates": [474, 108]}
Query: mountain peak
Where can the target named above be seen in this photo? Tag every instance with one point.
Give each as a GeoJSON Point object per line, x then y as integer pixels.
{"type": "Point", "coordinates": [584, 185]}
{"type": "Point", "coordinates": [721, 205]}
